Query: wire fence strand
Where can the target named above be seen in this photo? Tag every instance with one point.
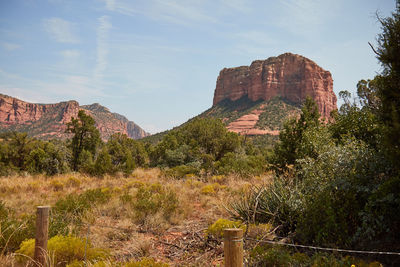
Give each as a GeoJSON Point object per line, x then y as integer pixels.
{"type": "Point", "coordinates": [273, 243]}
{"type": "Point", "coordinates": [326, 249]}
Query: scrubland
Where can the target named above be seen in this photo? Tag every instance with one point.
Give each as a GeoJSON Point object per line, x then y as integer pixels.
{"type": "Point", "coordinates": [145, 215]}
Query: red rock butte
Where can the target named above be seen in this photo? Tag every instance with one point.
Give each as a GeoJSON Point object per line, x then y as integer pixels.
{"type": "Point", "coordinates": [290, 76]}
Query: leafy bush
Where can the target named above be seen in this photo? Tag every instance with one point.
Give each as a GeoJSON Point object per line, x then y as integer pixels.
{"type": "Point", "coordinates": [198, 144]}
{"type": "Point", "coordinates": [212, 189]}
{"type": "Point", "coordinates": [153, 199]}
{"type": "Point", "coordinates": [217, 228]}
{"type": "Point", "coordinates": [102, 164]}
{"type": "Point", "coordinates": [18, 152]}
{"type": "Point", "coordinates": [180, 171]}
{"type": "Point", "coordinates": [241, 164]}
{"type": "Point", "coordinates": [63, 250]}
{"type": "Point", "coordinates": [56, 185]}
{"type": "Point", "coordinates": [337, 186]}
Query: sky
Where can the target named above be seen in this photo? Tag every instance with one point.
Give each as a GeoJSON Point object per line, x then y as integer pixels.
{"type": "Point", "coordinates": [157, 61]}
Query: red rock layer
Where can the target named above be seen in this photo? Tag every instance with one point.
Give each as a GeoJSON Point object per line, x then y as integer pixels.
{"type": "Point", "coordinates": [51, 119]}
{"type": "Point", "coordinates": [15, 111]}
{"type": "Point", "coordinates": [289, 76]}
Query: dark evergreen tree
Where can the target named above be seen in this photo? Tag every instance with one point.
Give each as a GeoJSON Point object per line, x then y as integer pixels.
{"type": "Point", "coordinates": [86, 136]}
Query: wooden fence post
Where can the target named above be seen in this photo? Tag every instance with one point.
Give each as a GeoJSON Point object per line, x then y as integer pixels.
{"type": "Point", "coordinates": [233, 247]}
{"type": "Point", "coordinates": [42, 230]}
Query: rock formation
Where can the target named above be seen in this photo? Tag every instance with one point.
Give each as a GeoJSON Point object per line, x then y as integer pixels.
{"type": "Point", "coordinates": [289, 76]}
{"type": "Point", "coordinates": [49, 120]}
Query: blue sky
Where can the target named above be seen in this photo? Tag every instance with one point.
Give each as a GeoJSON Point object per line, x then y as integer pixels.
{"type": "Point", "coordinates": [157, 61]}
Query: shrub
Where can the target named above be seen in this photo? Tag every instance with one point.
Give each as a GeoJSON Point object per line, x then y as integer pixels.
{"type": "Point", "coordinates": [270, 257]}
{"type": "Point", "coordinates": [153, 199]}
{"type": "Point", "coordinates": [180, 171]}
{"type": "Point", "coordinates": [57, 185]}
{"type": "Point", "coordinates": [103, 164]}
{"type": "Point", "coordinates": [241, 164]}
{"type": "Point", "coordinates": [71, 209]}
{"type": "Point", "coordinates": [218, 179]}
{"type": "Point", "coordinates": [63, 250]}
{"type": "Point", "coordinates": [212, 189]}
{"type": "Point", "coordinates": [337, 186]}
{"type": "Point", "coordinates": [278, 203]}
{"type": "Point", "coordinates": [217, 228]}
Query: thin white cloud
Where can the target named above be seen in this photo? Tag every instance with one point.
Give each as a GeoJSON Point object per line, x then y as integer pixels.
{"type": "Point", "coordinates": [60, 30]}
{"type": "Point", "coordinates": [10, 46]}
{"type": "Point", "coordinates": [103, 29]}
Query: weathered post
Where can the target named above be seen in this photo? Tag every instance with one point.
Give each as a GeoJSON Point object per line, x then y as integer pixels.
{"type": "Point", "coordinates": [42, 230]}
{"type": "Point", "coordinates": [233, 247]}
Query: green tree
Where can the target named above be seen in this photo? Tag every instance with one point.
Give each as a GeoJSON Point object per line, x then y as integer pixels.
{"type": "Point", "coordinates": [291, 137]}
{"type": "Point", "coordinates": [388, 83]}
{"type": "Point", "coordinates": [198, 143]}
{"type": "Point", "coordinates": [358, 122]}
{"type": "Point", "coordinates": [103, 163]}
{"type": "Point", "coordinates": [368, 95]}
{"type": "Point", "coordinates": [86, 136]}
{"type": "Point", "coordinates": [37, 160]}
{"type": "Point", "coordinates": [121, 149]}
{"type": "Point", "coordinates": [20, 148]}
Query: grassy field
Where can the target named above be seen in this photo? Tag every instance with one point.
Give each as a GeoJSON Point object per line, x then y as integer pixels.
{"type": "Point", "coordinates": [144, 215]}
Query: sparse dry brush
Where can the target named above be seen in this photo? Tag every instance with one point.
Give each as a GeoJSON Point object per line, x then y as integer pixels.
{"type": "Point", "coordinates": [144, 218]}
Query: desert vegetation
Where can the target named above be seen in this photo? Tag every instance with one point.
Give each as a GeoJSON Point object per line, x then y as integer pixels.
{"type": "Point", "coordinates": [123, 202]}
{"type": "Point", "coordinates": [144, 216]}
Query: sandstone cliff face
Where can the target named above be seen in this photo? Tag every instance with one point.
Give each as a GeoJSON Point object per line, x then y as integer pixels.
{"type": "Point", "coordinates": [292, 77]}
{"type": "Point", "coordinates": [15, 111]}
{"type": "Point", "coordinates": [49, 120]}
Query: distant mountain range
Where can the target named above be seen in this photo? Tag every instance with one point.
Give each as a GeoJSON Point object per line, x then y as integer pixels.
{"type": "Point", "coordinates": [47, 121]}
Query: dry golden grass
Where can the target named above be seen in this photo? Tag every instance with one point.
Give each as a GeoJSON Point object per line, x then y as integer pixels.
{"type": "Point", "coordinates": [201, 202]}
